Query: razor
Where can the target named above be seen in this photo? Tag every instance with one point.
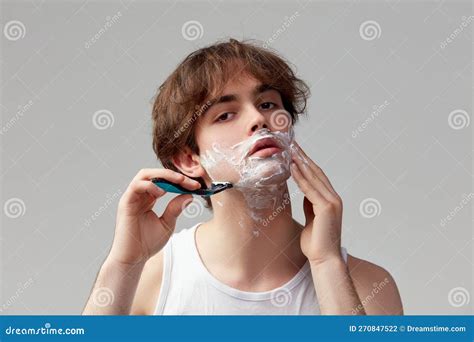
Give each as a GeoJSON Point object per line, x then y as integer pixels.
{"type": "Point", "coordinates": [168, 186]}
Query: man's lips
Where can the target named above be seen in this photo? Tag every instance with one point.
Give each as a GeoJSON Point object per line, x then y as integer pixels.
{"type": "Point", "coordinates": [264, 147]}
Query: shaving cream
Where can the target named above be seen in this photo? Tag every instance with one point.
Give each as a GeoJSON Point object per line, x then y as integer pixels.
{"type": "Point", "coordinates": [261, 180]}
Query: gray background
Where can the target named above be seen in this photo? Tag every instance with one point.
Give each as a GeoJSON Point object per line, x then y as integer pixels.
{"type": "Point", "coordinates": [65, 175]}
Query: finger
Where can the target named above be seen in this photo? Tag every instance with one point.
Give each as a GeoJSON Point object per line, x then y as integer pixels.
{"type": "Point", "coordinates": [313, 178]}
{"type": "Point", "coordinates": [310, 163]}
{"type": "Point", "coordinates": [169, 175]}
{"type": "Point", "coordinates": [319, 172]}
{"type": "Point", "coordinates": [174, 209]}
{"type": "Point", "coordinates": [315, 197]}
{"type": "Point", "coordinates": [142, 186]}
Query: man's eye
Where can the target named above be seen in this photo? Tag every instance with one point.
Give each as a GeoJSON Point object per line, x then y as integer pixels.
{"type": "Point", "coordinates": [267, 105]}
{"type": "Point", "coordinates": [224, 117]}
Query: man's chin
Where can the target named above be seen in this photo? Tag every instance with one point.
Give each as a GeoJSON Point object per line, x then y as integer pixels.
{"type": "Point", "coordinates": [273, 172]}
{"type": "Point", "coordinates": [273, 180]}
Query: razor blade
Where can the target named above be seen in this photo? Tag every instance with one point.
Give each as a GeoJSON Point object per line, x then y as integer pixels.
{"type": "Point", "coordinates": [168, 186]}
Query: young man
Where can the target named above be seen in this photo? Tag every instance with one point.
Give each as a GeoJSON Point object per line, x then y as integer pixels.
{"type": "Point", "coordinates": [227, 114]}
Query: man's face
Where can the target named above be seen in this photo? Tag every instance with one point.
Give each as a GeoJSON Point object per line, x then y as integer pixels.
{"type": "Point", "coordinates": [248, 116]}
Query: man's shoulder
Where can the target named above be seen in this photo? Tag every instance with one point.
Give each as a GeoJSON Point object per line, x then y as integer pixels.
{"type": "Point", "coordinates": [375, 286]}
{"type": "Point", "coordinates": [366, 270]}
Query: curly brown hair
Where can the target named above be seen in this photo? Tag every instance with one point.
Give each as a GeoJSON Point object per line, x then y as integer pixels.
{"type": "Point", "coordinates": [201, 76]}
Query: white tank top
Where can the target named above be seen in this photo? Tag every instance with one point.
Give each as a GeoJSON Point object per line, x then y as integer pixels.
{"type": "Point", "coordinates": [187, 287]}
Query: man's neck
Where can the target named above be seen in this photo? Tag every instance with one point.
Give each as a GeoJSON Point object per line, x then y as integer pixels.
{"type": "Point", "coordinates": [252, 235]}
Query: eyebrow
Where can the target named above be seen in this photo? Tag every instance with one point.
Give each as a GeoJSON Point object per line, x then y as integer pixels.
{"type": "Point", "coordinates": [232, 97]}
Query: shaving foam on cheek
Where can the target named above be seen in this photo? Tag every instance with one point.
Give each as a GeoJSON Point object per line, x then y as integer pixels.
{"type": "Point", "coordinates": [233, 163]}
{"type": "Point", "coordinates": [261, 180]}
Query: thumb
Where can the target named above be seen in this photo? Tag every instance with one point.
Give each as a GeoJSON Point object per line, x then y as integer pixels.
{"type": "Point", "coordinates": [308, 210]}
{"type": "Point", "coordinates": [174, 209]}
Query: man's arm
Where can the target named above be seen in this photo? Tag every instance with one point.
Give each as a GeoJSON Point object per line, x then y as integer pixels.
{"type": "Point", "coordinates": [148, 290]}
{"type": "Point", "coordinates": [135, 293]}
{"type": "Point", "coordinates": [139, 235]}
{"type": "Point", "coordinates": [114, 288]}
{"type": "Point", "coordinates": [335, 290]}
{"type": "Point", "coordinates": [321, 237]}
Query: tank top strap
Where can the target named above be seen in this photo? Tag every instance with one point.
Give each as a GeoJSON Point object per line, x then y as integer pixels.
{"type": "Point", "coordinates": [178, 252]}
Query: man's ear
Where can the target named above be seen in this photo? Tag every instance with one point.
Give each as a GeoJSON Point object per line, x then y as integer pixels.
{"type": "Point", "coordinates": [188, 163]}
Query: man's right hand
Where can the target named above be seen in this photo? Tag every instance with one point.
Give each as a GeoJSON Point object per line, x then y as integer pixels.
{"type": "Point", "coordinates": [139, 232]}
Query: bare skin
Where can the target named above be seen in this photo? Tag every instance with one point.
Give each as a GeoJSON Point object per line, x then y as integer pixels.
{"type": "Point", "coordinates": [362, 273]}
{"type": "Point", "coordinates": [133, 269]}
{"type": "Point", "coordinates": [139, 235]}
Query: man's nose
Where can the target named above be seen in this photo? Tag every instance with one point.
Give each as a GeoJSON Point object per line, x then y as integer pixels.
{"type": "Point", "coordinates": [257, 121]}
